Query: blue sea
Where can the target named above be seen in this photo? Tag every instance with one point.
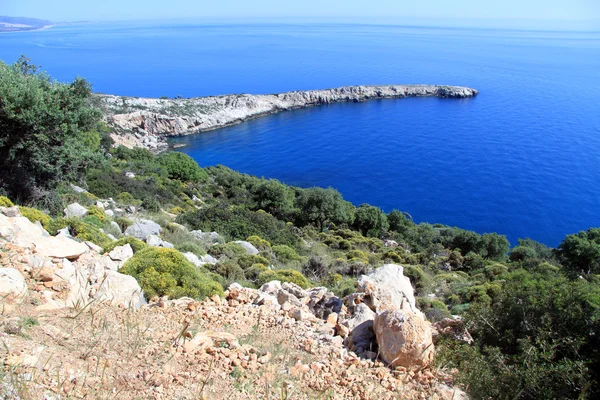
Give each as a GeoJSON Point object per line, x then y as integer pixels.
{"type": "Point", "coordinates": [521, 159]}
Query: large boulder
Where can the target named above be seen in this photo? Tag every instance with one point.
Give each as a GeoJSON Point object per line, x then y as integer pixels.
{"type": "Point", "coordinates": [249, 247]}
{"type": "Point", "coordinates": [20, 231]}
{"type": "Point", "coordinates": [59, 247]}
{"type": "Point", "coordinates": [75, 210]}
{"type": "Point", "coordinates": [156, 241]}
{"type": "Point", "coordinates": [119, 289]}
{"type": "Point", "coordinates": [143, 228]}
{"type": "Point", "coordinates": [404, 338]}
{"type": "Point", "coordinates": [12, 284]}
{"type": "Point", "coordinates": [387, 288]}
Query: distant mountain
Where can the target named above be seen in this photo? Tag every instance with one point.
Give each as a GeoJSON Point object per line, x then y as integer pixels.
{"type": "Point", "coordinates": [17, 24]}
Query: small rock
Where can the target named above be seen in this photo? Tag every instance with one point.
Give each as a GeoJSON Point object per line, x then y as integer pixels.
{"type": "Point", "coordinates": [121, 253]}
{"type": "Point", "coordinates": [130, 175]}
{"type": "Point", "coordinates": [12, 284]}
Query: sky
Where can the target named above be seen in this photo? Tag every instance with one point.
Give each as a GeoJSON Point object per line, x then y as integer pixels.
{"type": "Point", "coordinates": [356, 10]}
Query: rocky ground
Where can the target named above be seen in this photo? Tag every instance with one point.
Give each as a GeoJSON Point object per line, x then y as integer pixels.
{"type": "Point", "coordinates": [72, 326]}
{"type": "Point", "coordinates": [144, 122]}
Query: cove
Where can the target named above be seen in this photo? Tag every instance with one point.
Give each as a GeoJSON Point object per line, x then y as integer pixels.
{"type": "Point", "coordinates": [443, 161]}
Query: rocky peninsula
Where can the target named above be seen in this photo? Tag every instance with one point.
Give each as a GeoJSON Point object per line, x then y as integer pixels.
{"type": "Point", "coordinates": [147, 122]}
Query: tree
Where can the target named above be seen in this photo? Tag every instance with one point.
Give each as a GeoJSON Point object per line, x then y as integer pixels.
{"type": "Point", "coordinates": [274, 197]}
{"type": "Point", "coordinates": [319, 207]}
{"type": "Point", "coordinates": [398, 222]}
{"type": "Point", "coordinates": [44, 128]}
{"type": "Point", "coordinates": [182, 167]}
{"type": "Point", "coordinates": [580, 252]}
{"type": "Point", "coordinates": [370, 220]}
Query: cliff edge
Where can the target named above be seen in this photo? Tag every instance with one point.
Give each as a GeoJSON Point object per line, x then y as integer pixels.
{"type": "Point", "coordinates": [146, 121]}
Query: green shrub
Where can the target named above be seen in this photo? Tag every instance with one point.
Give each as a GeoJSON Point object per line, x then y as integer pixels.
{"type": "Point", "coordinates": [342, 286]}
{"type": "Point", "coordinates": [358, 256]}
{"type": "Point", "coordinates": [163, 272]}
{"type": "Point", "coordinates": [93, 220]}
{"type": "Point", "coordinates": [189, 247]}
{"type": "Point", "coordinates": [254, 271]}
{"type": "Point", "coordinates": [5, 202]}
{"type": "Point", "coordinates": [283, 275]}
{"type": "Point", "coordinates": [125, 198]}
{"type": "Point", "coordinates": [81, 230]}
{"type": "Point", "coordinates": [97, 212]}
{"type": "Point", "coordinates": [229, 250]}
{"type": "Point", "coordinates": [285, 254]}
{"type": "Point", "coordinates": [230, 270]}
{"type": "Point", "coordinates": [435, 310]}
{"type": "Point", "coordinates": [136, 244]}
{"type": "Point", "coordinates": [33, 215]}
{"type": "Point", "coordinates": [258, 242]}
{"type": "Point", "coordinates": [182, 167]}
{"type": "Point", "coordinates": [247, 260]}
{"type": "Point", "coordinates": [418, 278]}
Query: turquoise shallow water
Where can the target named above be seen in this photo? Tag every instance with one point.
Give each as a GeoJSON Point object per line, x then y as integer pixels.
{"type": "Point", "coordinates": [522, 159]}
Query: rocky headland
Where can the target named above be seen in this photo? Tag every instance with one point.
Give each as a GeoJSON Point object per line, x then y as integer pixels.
{"type": "Point", "coordinates": [147, 122]}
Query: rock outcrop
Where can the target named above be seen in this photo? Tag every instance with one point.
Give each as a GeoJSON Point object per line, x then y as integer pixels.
{"type": "Point", "coordinates": [146, 122]}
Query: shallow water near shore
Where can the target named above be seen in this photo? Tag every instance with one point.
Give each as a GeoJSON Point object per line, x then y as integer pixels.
{"type": "Point", "coordinates": [521, 159]}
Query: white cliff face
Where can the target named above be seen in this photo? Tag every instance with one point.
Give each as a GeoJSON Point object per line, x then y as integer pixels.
{"type": "Point", "coordinates": [147, 121]}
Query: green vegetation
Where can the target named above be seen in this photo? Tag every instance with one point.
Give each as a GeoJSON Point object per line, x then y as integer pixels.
{"type": "Point", "coordinates": [166, 272]}
{"type": "Point", "coordinates": [533, 311]}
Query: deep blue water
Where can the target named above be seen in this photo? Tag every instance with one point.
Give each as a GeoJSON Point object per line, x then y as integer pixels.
{"type": "Point", "coordinates": [522, 159]}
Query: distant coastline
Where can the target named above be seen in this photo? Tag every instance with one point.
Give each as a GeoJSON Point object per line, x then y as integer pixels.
{"type": "Point", "coordinates": [23, 24]}
{"type": "Point", "coordinates": [147, 122]}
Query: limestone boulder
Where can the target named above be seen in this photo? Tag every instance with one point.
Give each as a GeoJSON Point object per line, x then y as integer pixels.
{"type": "Point", "coordinates": [121, 253]}
{"type": "Point", "coordinates": [76, 279]}
{"type": "Point", "coordinates": [272, 287]}
{"type": "Point", "coordinates": [249, 247]}
{"type": "Point", "coordinates": [59, 247]}
{"type": "Point", "coordinates": [404, 338]}
{"type": "Point", "coordinates": [12, 284]}
{"type": "Point", "coordinates": [119, 289]}
{"type": "Point", "coordinates": [75, 210]}
{"type": "Point", "coordinates": [386, 288]}
{"type": "Point", "coordinates": [20, 231]}
{"type": "Point", "coordinates": [143, 228]}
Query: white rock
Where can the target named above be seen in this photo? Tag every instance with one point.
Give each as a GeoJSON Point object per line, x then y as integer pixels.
{"type": "Point", "coordinates": [78, 189]}
{"type": "Point", "coordinates": [121, 253]}
{"type": "Point", "coordinates": [191, 257]}
{"type": "Point", "coordinates": [130, 175]}
{"type": "Point", "coordinates": [75, 210]}
{"type": "Point", "coordinates": [119, 289]}
{"type": "Point", "coordinates": [153, 240]}
{"type": "Point", "coordinates": [110, 214]}
{"type": "Point", "coordinates": [59, 247]}
{"type": "Point", "coordinates": [12, 284]}
{"type": "Point", "coordinates": [249, 247]}
{"type": "Point", "coordinates": [115, 226]}
{"type": "Point", "coordinates": [208, 259]}
{"type": "Point", "coordinates": [143, 228]}
{"type": "Point", "coordinates": [20, 231]}
{"type": "Point", "coordinates": [272, 287]}
{"type": "Point", "coordinates": [387, 288]}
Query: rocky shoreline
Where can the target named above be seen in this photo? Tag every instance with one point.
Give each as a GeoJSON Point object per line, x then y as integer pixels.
{"type": "Point", "coordinates": [147, 122]}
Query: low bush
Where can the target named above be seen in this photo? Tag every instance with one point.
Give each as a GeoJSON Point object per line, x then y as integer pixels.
{"type": "Point", "coordinates": [166, 272]}
{"type": "Point", "coordinates": [81, 230]}
{"type": "Point", "coordinates": [5, 202]}
{"type": "Point", "coordinates": [285, 254]}
{"type": "Point", "coordinates": [283, 275]}
{"type": "Point", "coordinates": [97, 212]}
